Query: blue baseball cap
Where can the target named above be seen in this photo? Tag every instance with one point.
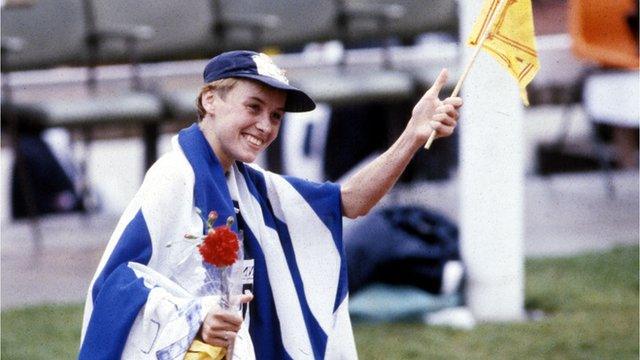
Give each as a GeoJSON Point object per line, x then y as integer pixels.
{"type": "Point", "coordinates": [259, 67]}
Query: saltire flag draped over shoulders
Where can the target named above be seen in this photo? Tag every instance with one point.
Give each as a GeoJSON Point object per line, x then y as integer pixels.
{"type": "Point", "coordinates": [140, 303]}
{"type": "Point", "coordinates": [511, 40]}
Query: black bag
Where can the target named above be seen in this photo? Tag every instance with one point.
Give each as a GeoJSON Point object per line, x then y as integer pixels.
{"type": "Point", "coordinates": [400, 246]}
{"type": "Point", "coordinates": [39, 185]}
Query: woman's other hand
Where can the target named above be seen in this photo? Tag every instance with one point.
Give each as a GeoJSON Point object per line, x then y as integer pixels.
{"type": "Point", "coordinates": [220, 327]}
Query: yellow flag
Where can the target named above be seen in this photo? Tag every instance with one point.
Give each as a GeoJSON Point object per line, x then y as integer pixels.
{"type": "Point", "coordinates": [511, 40]}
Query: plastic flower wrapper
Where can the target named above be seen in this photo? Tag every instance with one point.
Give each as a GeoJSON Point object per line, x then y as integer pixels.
{"type": "Point", "coordinates": [220, 254]}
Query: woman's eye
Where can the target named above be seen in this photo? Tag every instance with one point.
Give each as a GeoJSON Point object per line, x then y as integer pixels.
{"type": "Point", "coordinates": [254, 108]}
{"type": "Point", "coordinates": [277, 116]}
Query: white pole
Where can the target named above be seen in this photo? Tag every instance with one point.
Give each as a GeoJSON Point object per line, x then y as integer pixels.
{"type": "Point", "coordinates": [491, 184]}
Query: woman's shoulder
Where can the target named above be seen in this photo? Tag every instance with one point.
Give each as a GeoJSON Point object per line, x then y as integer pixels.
{"type": "Point", "coordinates": [170, 172]}
{"type": "Point", "coordinates": [305, 187]}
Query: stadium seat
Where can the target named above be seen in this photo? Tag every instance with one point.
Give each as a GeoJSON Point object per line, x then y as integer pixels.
{"type": "Point", "coordinates": [64, 33]}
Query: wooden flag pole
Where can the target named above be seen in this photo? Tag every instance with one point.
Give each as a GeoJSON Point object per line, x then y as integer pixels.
{"type": "Point", "coordinates": [485, 36]}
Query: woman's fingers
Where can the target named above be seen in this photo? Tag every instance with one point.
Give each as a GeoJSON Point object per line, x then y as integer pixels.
{"type": "Point", "coordinates": [225, 319]}
{"type": "Point", "coordinates": [443, 124]}
{"type": "Point", "coordinates": [218, 318]}
{"type": "Point", "coordinates": [219, 338]}
{"type": "Point", "coordinates": [447, 109]}
{"type": "Point", "coordinates": [440, 82]}
{"type": "Point", "coordinates": [455, 101]}
{"type": "Point", "coordinates": [446, 120]}
{"type": "Point", "coordinates": [220, 327]}
{"type": "Point", "coordinates": [225, 326]}
{"type": "Point", "coordinates": [245, 298]}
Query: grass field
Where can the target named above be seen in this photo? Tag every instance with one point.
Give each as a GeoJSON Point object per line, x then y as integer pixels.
{"type": "Point", "coordinates": [590, 301]}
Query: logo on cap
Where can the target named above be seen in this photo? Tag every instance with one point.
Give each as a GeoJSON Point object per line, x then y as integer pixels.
{"type": "Point", "coordinates": [266, 67]}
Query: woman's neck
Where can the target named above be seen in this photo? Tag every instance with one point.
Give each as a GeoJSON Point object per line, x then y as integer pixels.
{"type": "Point", "coordinates": [212, 140]}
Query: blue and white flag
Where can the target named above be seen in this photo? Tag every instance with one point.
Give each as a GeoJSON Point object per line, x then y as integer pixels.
{"type": "Point", "coordinates": [141, 305]}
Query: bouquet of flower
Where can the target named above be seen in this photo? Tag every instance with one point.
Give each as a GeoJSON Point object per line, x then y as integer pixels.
{"type": "Point", "coordinates": [220, 252]}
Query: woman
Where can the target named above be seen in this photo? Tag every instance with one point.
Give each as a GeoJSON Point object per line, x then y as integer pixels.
{"type": "Point", "coordinates": [139, 304]}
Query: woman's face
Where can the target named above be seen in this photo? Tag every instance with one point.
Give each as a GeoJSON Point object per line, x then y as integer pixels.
{"type": "Point", "coordinates": [244, 123]}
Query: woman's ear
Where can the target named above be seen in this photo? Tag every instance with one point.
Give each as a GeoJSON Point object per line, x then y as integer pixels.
{"type": "Point", "coordinates": [208, 101]}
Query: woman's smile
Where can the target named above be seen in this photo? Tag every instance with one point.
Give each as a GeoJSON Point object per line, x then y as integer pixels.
{"type": "Point", "coordinates": [253, 140]}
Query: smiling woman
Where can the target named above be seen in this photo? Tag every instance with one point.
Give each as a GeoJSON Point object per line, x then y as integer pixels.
{"type": "Point", "coordinates": [242, 123]}
{"type": "Point", "coordinates": [145, 299]}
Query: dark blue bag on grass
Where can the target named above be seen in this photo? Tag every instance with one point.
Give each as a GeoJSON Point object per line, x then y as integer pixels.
{"type": "Point", "coordinates": [396, 259]}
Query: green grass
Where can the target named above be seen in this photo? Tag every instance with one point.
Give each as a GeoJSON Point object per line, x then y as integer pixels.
{"type": "Point", "coordinates": [43, 332]}
{"type": "Point", "coordinates": [591, 303]}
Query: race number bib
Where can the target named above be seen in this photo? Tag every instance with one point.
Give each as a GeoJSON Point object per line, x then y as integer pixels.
{"type": "Point", "coordinates": [247, 281]}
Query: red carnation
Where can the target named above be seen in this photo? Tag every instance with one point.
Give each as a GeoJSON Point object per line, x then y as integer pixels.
{"type": "Point", "coordinates": [220, 246]}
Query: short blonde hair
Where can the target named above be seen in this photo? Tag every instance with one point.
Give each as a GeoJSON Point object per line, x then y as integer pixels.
{"type": "Point", "coordinates": [221, 87]}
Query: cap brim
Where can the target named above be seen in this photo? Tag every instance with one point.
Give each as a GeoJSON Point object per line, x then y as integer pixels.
{"type": "Point", "coordinates": [297, 100]}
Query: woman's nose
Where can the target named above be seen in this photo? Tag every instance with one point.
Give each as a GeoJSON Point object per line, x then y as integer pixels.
{"type": "Point", "coordinates": [263, 124]}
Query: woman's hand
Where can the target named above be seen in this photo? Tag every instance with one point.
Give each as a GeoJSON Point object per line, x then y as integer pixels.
{"type": "Point", "coordinates": [220, 327]}
{"type": "Point", "coordinates": [432, 114]}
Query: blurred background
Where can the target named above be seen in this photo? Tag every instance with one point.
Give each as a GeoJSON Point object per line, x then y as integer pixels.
{"type": "Point", "coordinates": [93, 91]}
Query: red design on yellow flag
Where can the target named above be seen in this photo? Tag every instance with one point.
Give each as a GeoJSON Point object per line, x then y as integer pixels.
{"type": "Point", "coordinates": [511, 40]}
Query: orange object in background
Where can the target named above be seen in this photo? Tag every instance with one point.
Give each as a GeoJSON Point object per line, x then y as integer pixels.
{"type": "Point", "coordinates": [601, 32]}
